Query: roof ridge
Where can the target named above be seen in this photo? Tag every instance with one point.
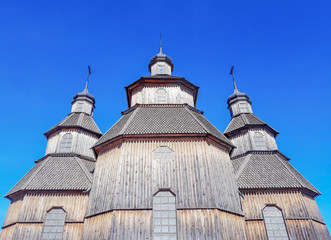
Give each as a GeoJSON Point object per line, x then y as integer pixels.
{"type": "Point", "coordinates": [196, 119]}
{"type": "Point", "coordinates": [291, 172]}
{"type": "Point", "coordinates": [243, 165]}
{"type": "Point", "coordinates": [35, 173]}
{"type": "Point", "coordinates": [128, 121]}
{"type": "Point", "coordinates": [80, 119]}
{"type": "Point", "coordinates": [82, 166]}
{"type": "Point", "coordinates": [244, 118]}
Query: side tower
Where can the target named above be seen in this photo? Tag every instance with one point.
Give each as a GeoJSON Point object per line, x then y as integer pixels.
{"type": "Point", "coordinates": [50, 201]}
{"type": "Point", "coordinates": [278, 202]}
{"type": "Point", "coordinates": [163, 170]}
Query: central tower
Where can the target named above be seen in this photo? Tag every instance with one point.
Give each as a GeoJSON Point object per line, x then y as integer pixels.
{"type": "Point", "coordinates": [163, 170]}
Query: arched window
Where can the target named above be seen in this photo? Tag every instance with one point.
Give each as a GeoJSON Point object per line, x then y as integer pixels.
{"type": "Point", "coordinates": [54, 224]}
{"type": "Point", "coordinates": [259, 141]}
{"type": "Point", "coordinates": [164, 216]}
{"type": "Point", "coordinates": [161, 96]}
{"type": "Point", "coordinates": [163, 154]}
{"type": "Point", "coordinates": [274, 222]}
{"type": "Point", "coordinates": [65, 144]}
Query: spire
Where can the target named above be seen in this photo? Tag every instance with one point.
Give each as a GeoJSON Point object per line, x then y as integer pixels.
{"type": "Point", "coordinates": [160, 43]}
{"type": "Point", "coordinates": [234, 81]}
{"type": "Point", "coordinates": [84, 101]}
{"type": "Point", "coordinates": [160, 63]}
{"type": "Point", "coordinates": [88, 76]}
{"type": "Point", "coordinates": [238, 97]}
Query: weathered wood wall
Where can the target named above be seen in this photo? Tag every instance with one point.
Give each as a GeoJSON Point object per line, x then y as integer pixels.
{"type": "Point", "coordinates": [175, 95]}
{"type": "Point", "coordinates": [201, 176]}
{"type": "Point", "coordinates": [82, 142]}
{"type": "Point", "coordinates": [244, 141]}
{"type": "Point", "coordinates": [191, 224]}
{"type": "Point", "coordinates": [25, 216]}
{"type": "Point", "coordinates": [302, 216]}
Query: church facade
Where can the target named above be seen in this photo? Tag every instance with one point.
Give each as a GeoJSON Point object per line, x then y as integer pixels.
{"type": "Point", "coordinates": [163, 171]}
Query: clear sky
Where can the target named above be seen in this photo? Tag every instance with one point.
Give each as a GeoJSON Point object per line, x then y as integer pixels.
{"type": "Point", "coordinates": [280, 49]}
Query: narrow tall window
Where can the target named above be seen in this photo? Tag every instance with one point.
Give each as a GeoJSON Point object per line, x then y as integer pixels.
{"type": "Point", "coordinates": [161, 96]}
{"type": "Point", "coordinates": [54, 224]}
{"type": "Point", "coordinates": [274, 222]}
{"type": "Point", "coordinates": [259, 141]}
{"type": "Point", "coordinates": [80, 106]}
{"type": "Point", "coordinates": [164, 216]}
{"type": "Point", "coordinates": [242, 107]}
{"type": "Point", "coordinates": [161, 69]}
{"type": "Point", "coordinates": [65, 144]}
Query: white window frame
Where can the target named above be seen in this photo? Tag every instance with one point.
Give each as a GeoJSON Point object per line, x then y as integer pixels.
{"type": "Point", "coordinates": [65, 145]}
{"type": "Point", "coordinates": [274, 223]}
{"type": "Point", "coordinates": [259, 145]}
{"type": "Point", "coordinates": [54, 224]}
{"type": "Point", "coordinates": [161, 69]}
{"type": "Point", "coordinates": [164, 223]}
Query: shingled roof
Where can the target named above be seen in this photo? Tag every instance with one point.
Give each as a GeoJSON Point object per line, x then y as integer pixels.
{"type": "Point", "coordinates": [162, 119]}
{"type": "Point", "coordinates": [268, 170]}
{"type": "Point", "coordinates": [244, 120]}
{"type": "Point", "coordinates": [80, 120]}
{"type": "Point", "coordinates": [56, 172]}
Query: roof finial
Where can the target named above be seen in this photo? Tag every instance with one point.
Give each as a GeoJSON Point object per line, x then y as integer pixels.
{"type": "Point", "coordinates": [160, 42]}
{"type": "Point", "coordinates": [234, 81]}
{"type": "Point", "coordinates": [88, 76]}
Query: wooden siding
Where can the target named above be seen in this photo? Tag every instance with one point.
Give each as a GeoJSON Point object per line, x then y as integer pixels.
{"type": "Point", "coordinates": [210, 224]}
{"type": "Point", "coordinates": [82, 142]}
{"type": "Point", "coordinates": [297, 229]}
{"type": "Point", "coordinates": [73, 231]}
{"type": "Point", "coordinates": [256, 230]}
{"type": "Point", "coordinates": [135, 225]}
{"type": "Point", "coordinates": [321, 231]}
{"type": "Point", "coordinates": [244, 141]}
{"type": "Point", "coordinates": [192, 224]}
{"type": "Point", "coordinates": [302, 216]}
{"type": "Point", "coordinates": [27, 231]}
{"type": "Point", "coordinates": [35, 206]}
{"type": "Point", "coordinates": [291, 202]}
{"type": "Point", "coordinates": [175, 95]}
{"type": "Point", "coordinates": [13, 212]}
{"type": "Point", "coordinates": [201, 176]}
{"type": "Point", "coordinates": [7, 233]}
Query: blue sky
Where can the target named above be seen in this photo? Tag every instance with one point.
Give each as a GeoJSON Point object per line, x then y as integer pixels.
{"type": "Point", "coordinates": [280, 49]}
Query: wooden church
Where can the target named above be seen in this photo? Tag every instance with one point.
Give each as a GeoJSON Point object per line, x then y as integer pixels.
{"type": "Point", "coordinates": [162, 172]}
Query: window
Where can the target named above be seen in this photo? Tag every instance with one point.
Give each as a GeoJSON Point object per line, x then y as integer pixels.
{"type": "Point", "coordinates": [274, 222]}
{"type": "Point", "coordinates": [164, 216]}
{"type": "Point", "coordinates": [163, 154]}
{"type": "Point", "coordinates": [161, 96]}
{"type": "Point", "coordinates": [161, 69]}
{"type": "Point", "coordinates": [54, 224]}
{"type": "Point", "coordinates": [65, 144]}
{"type": "Point", "coordinates": [243, 107]}
{"type": "Point", "coordinates": [80, 106]}
{"type": "Point", "coordinates": [259, 142]}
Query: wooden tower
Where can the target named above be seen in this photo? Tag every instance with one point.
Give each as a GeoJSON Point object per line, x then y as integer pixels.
{"type": "Point", "coordinates": [162, 172]}
{"type": "Point", "coordinates": [278, 202]}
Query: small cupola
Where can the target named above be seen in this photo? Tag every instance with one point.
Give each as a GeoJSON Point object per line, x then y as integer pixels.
{"type": "Point", "coordinates": [84, 101]}
{"type": "Point", "coordinates": [160, 64]}
{"type": "Point", "coordinates": [238, 102]}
